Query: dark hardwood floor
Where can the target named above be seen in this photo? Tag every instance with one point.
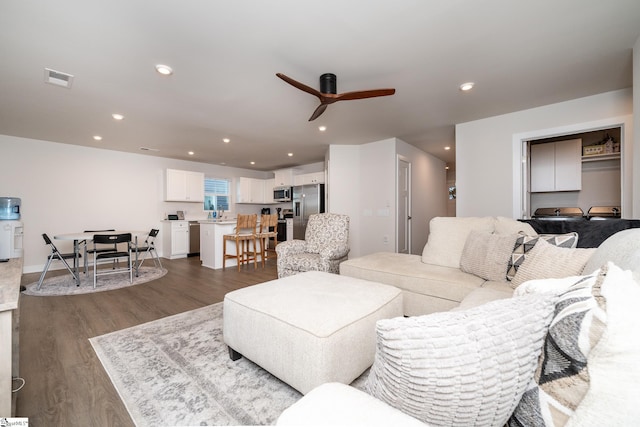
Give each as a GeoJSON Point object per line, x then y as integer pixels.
{"type": "Point", "coordinates": [65, 382]}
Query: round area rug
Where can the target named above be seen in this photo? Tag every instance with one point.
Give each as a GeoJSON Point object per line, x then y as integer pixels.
{"type": "Point", "coordinates": [65, 285]}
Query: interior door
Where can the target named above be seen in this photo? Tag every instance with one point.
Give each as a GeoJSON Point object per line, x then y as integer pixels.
{"type": "Point", "coordinates": [403, 218]}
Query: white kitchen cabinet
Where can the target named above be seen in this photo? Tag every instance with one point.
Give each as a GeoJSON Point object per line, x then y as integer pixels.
{"type": "Point", "coordinates": [556, 166]}
{"type": "Point", "coordinates": [184, 186]}
{"type": "Point", "coordinates": [309, 178]}
{"type": "Point", "coordinates": [268, 190]}
{"type": "Point", "coordinates": [283, 177]}
{"type": "Point", "coordinates": [175, 240]}
{"type": "Point", "coordinates": [250, 190]}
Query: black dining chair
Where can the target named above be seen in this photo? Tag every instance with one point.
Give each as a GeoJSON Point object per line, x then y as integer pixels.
{"type": "Point", "coordinates": [114, 255]}
{"type": "Point", "coordinates": [148, 247]}
{"type": "Point", "coordinates": [92, 251]}
{"type": "Point", "coordinates": [55, 253]}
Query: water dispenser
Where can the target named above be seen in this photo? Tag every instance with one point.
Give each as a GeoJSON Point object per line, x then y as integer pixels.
{"type": "Point", "coordinates": [9, 208]}
{"type": "Point", "coordinates": [11, 230]}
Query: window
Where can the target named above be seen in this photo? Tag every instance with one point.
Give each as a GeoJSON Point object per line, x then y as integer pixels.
{"type": "Point", "coordinates": [216, 194]}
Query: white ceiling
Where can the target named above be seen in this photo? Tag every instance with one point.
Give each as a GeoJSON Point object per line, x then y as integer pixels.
{"type": "Point", "coordinates": [225, 55]}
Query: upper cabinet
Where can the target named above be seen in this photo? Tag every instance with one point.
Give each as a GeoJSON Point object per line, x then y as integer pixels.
{"type": "Point", "coordinates": [309, 178]}
{"type": "Point", "coordinates": [184, 186]}
{"type": "Point", "coordinates": [556, 166]}
{"type": "Point", "coordinates": [283, 177]}
{"type": "Point", "coordinates": [268, 190]}
{"type": "Point", "coordinates": [251, 190]}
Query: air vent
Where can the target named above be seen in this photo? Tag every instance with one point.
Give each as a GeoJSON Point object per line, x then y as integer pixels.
{"type": "Point", "coordinates": [148, 149]}
{"type": "Point", "coordinates": [57, 78]}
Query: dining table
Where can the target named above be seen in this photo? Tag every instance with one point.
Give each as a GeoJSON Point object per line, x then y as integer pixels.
{"type": "Point", "coordinates": [84, 236]}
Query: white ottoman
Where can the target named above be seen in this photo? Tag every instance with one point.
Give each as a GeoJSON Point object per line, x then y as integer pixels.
{"type": "Point", "coordinates": [310, 328]}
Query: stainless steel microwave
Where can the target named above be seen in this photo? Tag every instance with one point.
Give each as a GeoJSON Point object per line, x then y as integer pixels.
{"type": "Point", "coordinates": [282, 194]}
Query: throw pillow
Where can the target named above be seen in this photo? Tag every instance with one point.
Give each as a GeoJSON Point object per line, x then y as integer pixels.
{"type": "Point", "coordinates": [562, 378]}
{"type": "Point", "coordinates": [614, 391]}
{"type": "Point", "coordinates": [447, 236]}
{"type": "Point", "coordinates": [526, 242]}
{"type": "Point", "coordinates": [461, 368]}
{"type": "Point", "coordinates": [487, 255]}
{"type": "Point", "coordinates": [546, 261]}
{"type": "Point", "coordinates": [550, 286]}
{"type": "Point", "coordinates": [506, 225]}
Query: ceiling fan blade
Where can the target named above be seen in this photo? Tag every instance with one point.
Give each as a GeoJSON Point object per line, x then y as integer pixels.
{"type": "Point", "coordinates": [318, 112]}
{"type": "Point", "coordinates": [300, 86]}
{"type": "Point", "coordinates": [363, 94]}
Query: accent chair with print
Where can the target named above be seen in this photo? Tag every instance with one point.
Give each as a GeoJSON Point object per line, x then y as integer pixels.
{"type": "Point", "coordinates": [325, 246]}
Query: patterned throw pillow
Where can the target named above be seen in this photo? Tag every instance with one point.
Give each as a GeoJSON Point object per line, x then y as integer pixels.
{"type": "Point", "coordinates": [546, 261]}
{"type": "Point", "coordinates": [562, 378]}
{"type": "Point", "coordinates": [525, 243]}
{"type": "Point", "coordinates": [461, 368]}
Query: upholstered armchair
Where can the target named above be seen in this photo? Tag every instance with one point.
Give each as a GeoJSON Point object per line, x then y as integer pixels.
{"type": "Point", "coordinates": [325, 246]}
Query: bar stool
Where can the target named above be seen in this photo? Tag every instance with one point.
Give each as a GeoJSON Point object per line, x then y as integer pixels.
{"type": "Point", "coordinates": [268, 230]}
{"type": "Point", "coordinates": [244, 234]}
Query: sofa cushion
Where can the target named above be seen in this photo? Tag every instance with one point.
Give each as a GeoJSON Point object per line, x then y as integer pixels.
{"type": "Point", "coordinates": [504, 225]}
{"type": "Point", "coordinates": [623, 248]}
{"type": "Point", "coordinates": [526, 242]}
{"type": "Point", "coordinates": [447, 236]}
{"type": "Point", "coordinates": [409, 273]}
{"type": "Point", "coordinates": [562, 377]}
{"type": "Point", "coordinates": [487, 255]}
{"type": "Point", "coordinates": [546, 261]}
{"type": "Point", "coordinates": [335, 404]}
{"type": "Point", "coordinates": [484, 295]}
{"type": "Point", "coordinates": [461, 368]}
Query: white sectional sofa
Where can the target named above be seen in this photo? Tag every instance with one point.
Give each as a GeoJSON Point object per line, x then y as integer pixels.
{"type": "Point", "coordinates": [434, 281]}
{"type": "Point", "coordinates": [482, 363]}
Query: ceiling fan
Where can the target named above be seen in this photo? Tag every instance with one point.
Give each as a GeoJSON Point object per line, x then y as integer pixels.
{"type": "Point", "coordinates": [328, 92]}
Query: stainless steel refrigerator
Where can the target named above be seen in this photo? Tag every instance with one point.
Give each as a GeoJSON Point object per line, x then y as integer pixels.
{"type": "Point", "coordinates": [307, 200]}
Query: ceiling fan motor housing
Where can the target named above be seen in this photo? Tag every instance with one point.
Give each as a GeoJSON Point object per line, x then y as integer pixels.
{"type": "Point", "coordinates": [328, 83]}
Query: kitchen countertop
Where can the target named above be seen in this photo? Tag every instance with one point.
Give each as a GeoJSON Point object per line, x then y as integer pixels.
{"type": "Point", "coordinates": [214, 221]}
{"type": "Point", "coordinates": [10, 275]}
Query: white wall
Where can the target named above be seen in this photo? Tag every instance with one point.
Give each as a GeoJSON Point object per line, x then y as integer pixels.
{"type": "Point", "coordinates": [377, 196]}
{"type": "Point", "coordinates": [635, 182]}
{"type": "Point", "coordinates": [343, 186]}
{"type": "Point", "coordinates": [486, 157]}
{"type": "Point", "coordinates": [66, 188]}
{"type": "Point", "coordinates": [362, 184]}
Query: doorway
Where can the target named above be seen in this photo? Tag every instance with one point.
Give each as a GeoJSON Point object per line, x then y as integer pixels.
{"type": "Point", "coordinates": [403, 206]}
{"type": "Point", "coordinates": [521, 141]}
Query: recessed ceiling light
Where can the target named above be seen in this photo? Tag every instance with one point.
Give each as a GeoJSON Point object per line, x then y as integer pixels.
{"type": "Point", "coordinates": [447, 148]}
{"type": "Point", "coordinates": [467, 86]}
{"type": "Point", "coordinates": [290, 154]}
{"type": "Point", "coordinates": [191, 153]}
{"type": "Point", "coordinates": [226, 140]}
{"type": "Point", "coordinates": [322, 128]}
{"type": "Point", "coordinates": [117, 116]}
{"type": "Point", "coordinates": [165, 70]}
{"type": "Point", "coordinates": [253, 163]}
{"type": "Point", "coordinates": [97, 137]}
{"type": "Point", "coordinates": [446, 167]}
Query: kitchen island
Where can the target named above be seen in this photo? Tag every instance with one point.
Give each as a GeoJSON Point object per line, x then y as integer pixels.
{"type": "Point", "coordinates": [212, 242]}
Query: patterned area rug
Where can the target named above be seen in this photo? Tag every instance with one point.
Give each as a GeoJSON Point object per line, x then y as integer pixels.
{"type": "Point", "coordinates": [176, 371]}
{"type": "Point", "coordinates": [64, 284]}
